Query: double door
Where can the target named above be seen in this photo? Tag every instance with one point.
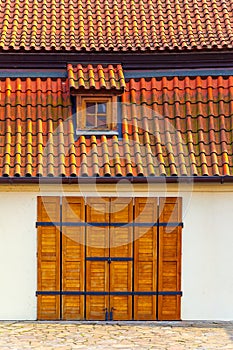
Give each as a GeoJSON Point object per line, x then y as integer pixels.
{"type": "Point", "coordinates": [109, 258]}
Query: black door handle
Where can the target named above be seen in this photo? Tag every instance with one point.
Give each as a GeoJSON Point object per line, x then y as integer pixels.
{"type": "Point", "coordinates": [106, 313]}
{"type": "Point", "coordinates": [111, 314]}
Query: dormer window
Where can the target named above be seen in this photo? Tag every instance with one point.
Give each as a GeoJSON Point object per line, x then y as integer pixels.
{"type": "Point", "coordinates": [96, 88]}
{"type": "Point", "coordinates": [96, 113]}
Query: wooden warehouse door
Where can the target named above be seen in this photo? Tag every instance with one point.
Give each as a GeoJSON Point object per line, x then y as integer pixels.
{"type": "Point", "coordinates": [109, 258]}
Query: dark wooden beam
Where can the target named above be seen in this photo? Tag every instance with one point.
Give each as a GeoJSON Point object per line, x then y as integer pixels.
{"type": "Point", "coordinates": [115, 180]}
{"type": "Point", "coordinates": [131, 60]}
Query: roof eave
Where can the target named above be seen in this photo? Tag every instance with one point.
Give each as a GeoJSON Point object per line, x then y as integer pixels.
{"type": "Point", "coordinates": [115, 180]}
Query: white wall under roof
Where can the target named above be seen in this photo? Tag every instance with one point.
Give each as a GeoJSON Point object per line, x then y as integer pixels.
{"type": "Point", "coordinates": [17, 256]}
{"type": "Point", "coordinates": [207, 262]}
{"type": "Point", "coordinates": [207, 275]}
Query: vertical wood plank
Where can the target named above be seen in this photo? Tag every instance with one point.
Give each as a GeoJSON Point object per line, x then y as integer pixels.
{"type": "Point", "coordinates": [97, 246]}
{"type": "Point", "coordinates": [145, 258]}
{"type": "Point", "coordinates": [121, 281]}
{"type": "Point", "coordinates": [169, 259]}
{"type": "Point", "coordinates": [121, 247]}
{"type": "Point", "coordinates": [97, 281]}
{"type": "Point", "coordinates": [48, 271]}
{"type": "Point", "coordinates": [73, 258]}
{"type": "Point", "coordinates": [97, 237]}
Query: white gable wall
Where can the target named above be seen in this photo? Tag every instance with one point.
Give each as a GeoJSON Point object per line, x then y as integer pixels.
{"type": "Point", "coordinates": [18, 256]}
{"type": "Point", "coordinates": [208, 257]}
{"type": "Point", "coordinates": [207, 263]}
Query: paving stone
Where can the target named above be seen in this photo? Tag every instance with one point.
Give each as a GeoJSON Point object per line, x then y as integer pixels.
{"type": "Point", "coordinates": [124, 336]}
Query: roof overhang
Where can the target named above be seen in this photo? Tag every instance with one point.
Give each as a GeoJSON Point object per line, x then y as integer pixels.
{"type": "Point", "coordinates": [115, 180]}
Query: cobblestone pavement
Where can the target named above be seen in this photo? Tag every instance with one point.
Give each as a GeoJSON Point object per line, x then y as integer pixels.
{"type": "Point", "coordinates": [124, 336]}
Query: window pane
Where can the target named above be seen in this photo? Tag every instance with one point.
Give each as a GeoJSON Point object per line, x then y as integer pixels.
{"type": "Point", "coordinates": [102, 108]}
{"type": "Point", "coordinates": [102, 123]}
{"type": "Point", "coordinates": [90, 107]}
{"type": "Point", "coordinates": [90, 121]}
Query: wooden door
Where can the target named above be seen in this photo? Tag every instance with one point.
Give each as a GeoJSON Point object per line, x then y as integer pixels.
{"type": "Point", "coordinates": [109, 259]}
{"type": "Point", "coordinates": [97, 253]}
{"type": "Point", "coordinates": [109, 255]}
{"type": "Point", "coordinates": [121, 259]}
{"type": "Point", "coordinates": [169, 264]}
{"type": "Point", "coordinates": [73, 254]}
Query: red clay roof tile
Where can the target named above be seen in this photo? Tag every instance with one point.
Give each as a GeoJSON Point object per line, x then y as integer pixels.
{"type": "Point", "coordinates": [96, 77]}
{"type": "Point", "coordinates": [167, 130]}
{"type": "Point", "coordinates": [116, 25]}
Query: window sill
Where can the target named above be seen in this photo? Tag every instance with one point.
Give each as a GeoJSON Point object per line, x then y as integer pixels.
{"type": "Point", "coordinates": [96, 132]}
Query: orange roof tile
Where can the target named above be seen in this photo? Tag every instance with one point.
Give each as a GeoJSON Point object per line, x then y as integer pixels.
{"type": "Point", "coordinates": [96, 77]}
{"type": "Point", "coordinates": [119, 25]}
{"type": "Point", "coordinates": [170, 127]}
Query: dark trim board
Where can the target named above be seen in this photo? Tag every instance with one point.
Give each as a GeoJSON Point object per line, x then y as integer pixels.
{"type": "Point", "coordinates": [129, 60]}
{"type": "Point", "coordinates": [114, 180]}
{"type": "Point", "coordinates": [159, 73]}
{"type": "Point", "coordinates": [33, 73]}
{"type": "Point", "coordinates": [129, 74]}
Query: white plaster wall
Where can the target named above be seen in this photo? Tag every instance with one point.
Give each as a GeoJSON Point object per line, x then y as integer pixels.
{"type": "Point", "coordinates": [207, 275]}
{"type": "Point", "coordinates": [207, 262]}
{"type": "Point", "coordinates": [17, 256]}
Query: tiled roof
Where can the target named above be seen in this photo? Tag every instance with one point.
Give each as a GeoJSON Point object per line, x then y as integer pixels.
{"type": "Point", "coordinates": [116, 25]}
{"type": "Point", "coordinates": [176, 126]}
{"type": "Point", "coordinates": [96, 77]}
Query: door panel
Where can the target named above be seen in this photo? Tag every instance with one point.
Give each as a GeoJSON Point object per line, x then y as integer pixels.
{"type": "Point", "coordinates": [97, 281]}
{"type": "Point", "coordinates": [72, 273]}
{"type": "Point", "coordinates": [48, 209]}
{"type": "Point", "coordinates": [48, 270]}
{"type": "Point", "coordinates": [48, 273]}
{"type": "Point", "coordinates": [121, 238]}
{"type": "Point", "coordinates": [121, 242]}
{"type": "Point", "coordinates": [97, 209]}
{"type": "Point", "coordinates": [121, 210]}
{"type": "Point", "coordinates": [145, 259]}
{"type": "Point", "coordinates": [121, 281]}
{"type": "Point", "coordinates": [73, 209]}
{"type": "Point", "coordinates": [97, 237]}
{"type": "Point", "coordinates": [73, 258]}
{"type": "Point", "coordinates": [169, 277]}
{"type": "Point", "coordinates": [97, 248]}
{"type": "Point", "coordinates": [97, 241]}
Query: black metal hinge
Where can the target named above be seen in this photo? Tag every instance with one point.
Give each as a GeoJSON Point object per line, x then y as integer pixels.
{"type": "Point", "coordinates": [179, 293]}
{"type": "Point", "coordinates": [112, 224]}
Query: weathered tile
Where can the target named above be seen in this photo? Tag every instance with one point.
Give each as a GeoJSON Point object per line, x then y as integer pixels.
{"type": "Point", "coordinates": [115, 26]}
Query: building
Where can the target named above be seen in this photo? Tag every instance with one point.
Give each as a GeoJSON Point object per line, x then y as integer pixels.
{"type": "Point", "coordinates": [116, 135]}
